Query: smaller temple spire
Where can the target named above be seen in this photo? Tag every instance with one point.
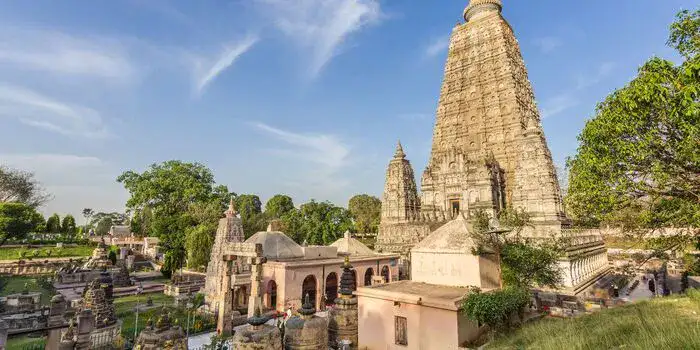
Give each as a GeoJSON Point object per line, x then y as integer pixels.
{"type": "Point", "coordinates": [231, 209]}
{"type": "Point", "coordinates": [399, 151]}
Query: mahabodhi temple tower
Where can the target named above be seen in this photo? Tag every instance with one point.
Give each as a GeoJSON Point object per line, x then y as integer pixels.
{"type": "Point", "coordinates": [488, 152]}
{"type": "Point", "coordinates": [488, 149]}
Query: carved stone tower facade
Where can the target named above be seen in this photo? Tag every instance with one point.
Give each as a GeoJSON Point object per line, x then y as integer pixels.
{"type": "Point", "coordinates": [230, 230]}
{"type": "Point", "coordinates": [488, 147]}
{"type": "Point", "coordinates": [401, 223]}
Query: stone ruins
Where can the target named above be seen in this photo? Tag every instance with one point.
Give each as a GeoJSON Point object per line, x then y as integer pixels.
{"type": "Point", "coordinates": [488, 152]}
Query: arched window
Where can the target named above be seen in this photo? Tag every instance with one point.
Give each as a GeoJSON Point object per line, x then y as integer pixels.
{"type": "Point", "coordinates": [368, 276]}
{"type": "Point", "coordinates": [331, 288]}
{"type": "Point", "coordinates": [385, 273]}
{"type": "Point", "coordinates": [272, 294]}
{"type": "Point", "coordinates": [309, 287]}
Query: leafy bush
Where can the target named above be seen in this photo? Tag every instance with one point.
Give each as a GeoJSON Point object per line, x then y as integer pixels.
{"type": "Point", "coordinates": [495, 308]}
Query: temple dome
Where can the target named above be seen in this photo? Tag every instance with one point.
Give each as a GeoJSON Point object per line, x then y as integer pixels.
{"type": "Point", "coordinates": [351, 246]}
{"type": "Point", "coordinates": [452, 237]}
{"type": "Point", "coordinates": [277, 245]}
{"type": "Point", "coordinates": [476, 6]}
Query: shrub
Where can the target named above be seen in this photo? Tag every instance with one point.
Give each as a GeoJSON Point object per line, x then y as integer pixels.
{"type": "Point", "coordinates": [495, 308]}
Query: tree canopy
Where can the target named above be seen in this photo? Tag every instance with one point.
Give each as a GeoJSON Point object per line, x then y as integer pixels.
{"type": "Point", "coordinates": [173, 190]}
{"type": "Point", "coordinates": [21, 186]}
{"type": "Point", "coordinates": [16, 221]}
{"type": "Point", "coordinates": [68, 225]}
{"type": "Point", "coordinates": [317, 223]}
{"type": "Point", "coordinates": [278, 205]}
{"type": "Point", "coordinates": [638, 160]}
{"type": "Point", "coordinates": [53, 224]}
{"type": "Point", "coordinates": [366, 212]}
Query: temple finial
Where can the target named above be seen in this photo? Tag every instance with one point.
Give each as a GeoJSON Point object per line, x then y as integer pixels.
{"type": "Point", "coordinates": [399, 151]}
{"type": "Point", "coordinates": [479, 6]}
{"type": "Point", "coordinates": [231, 208]}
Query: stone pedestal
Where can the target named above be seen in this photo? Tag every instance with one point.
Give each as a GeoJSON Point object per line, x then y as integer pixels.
{"type": "Point", "coordinates": [307, 331]}
{"type": "Point", "coordinates": [342, 323]}
{"type": "Point", "coordinates": [263, 337]}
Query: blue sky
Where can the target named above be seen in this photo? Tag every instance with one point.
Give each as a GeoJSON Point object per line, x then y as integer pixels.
{"type": "Point", "coordinates": [303, 97]}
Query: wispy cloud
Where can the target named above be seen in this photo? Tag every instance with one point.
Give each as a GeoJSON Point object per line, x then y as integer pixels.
{"type": "Point", "coordinates": [37, 110]}
{"type": "Point", "coordinates": [60, 53]}
{"type": "Point", "coordinates": [558, 104]}
{"type": "Point", "coordinates": [322, 25]}
{"type": "Point", "coordinates": [548, 44]}
{"type": "Point", "coordinates": [604, 70]}
{"type": "Point", "coordinates": [568, 99]}
{"type": "Point", "coordinates": [437, 46]}
{"type": "Point", "coordinates": [206, 70]}
{"type": "Point", "coordinates": [324, 149]}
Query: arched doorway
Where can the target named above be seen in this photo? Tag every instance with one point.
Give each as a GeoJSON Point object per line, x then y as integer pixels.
{"type": "Point", "coordinates": [368, 276]}
{"type": "Point", "coordinates": [308, 287]}
{"type": "Point", "coordinates": [272, 295]}
{"type": "Point", "coordinates": [385, 273]}
{"type": "Point", "coordinates": [331, 288]}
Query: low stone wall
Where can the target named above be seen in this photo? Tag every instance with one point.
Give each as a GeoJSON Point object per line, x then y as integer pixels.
{"type": "Point", "coordinates": [32, 267]}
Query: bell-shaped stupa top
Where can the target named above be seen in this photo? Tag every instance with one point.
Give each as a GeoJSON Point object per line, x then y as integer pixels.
{"type": "Point", "coordinates": [307, 309]}
{"type": "Point", "coordinates": [347, 279]}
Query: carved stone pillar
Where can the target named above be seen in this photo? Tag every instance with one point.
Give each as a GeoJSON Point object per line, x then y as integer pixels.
{"type": "Point", "coordinates": [255, 298]}
{"type": "Point", "coordinates": [86, 324]}
{"type": "Point", "coordinates": [56, 318]}
{"type": "Point", "coordinates": [224, 324]}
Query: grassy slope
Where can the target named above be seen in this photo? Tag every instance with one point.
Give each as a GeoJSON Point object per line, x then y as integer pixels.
{"type": "Point", "coordinates": [14, 253]}
{"type": "Point", "coordinates": [16, 284]}
{"type": "Point", "coordinates": [19, 343]}
{"type": "Point", "coordinates": [664, 323]}
{"type": "Point", "coordinates": [124, 308]}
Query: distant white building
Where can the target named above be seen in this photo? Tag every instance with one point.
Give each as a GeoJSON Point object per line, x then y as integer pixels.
{"type": "Point", "coordinates": [120, 231]}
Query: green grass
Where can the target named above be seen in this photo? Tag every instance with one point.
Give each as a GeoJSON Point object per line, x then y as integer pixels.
{"type": "Point", "coordinates": [43, 253]}
{"type": "Point", "coordinates": [20, 343]}
{"type": "Point", "coordinates": [663, 323]}
{"type": "Point", "coordinates": [124, 308]}
{"type": "Point", "coordinates": [17, 284]}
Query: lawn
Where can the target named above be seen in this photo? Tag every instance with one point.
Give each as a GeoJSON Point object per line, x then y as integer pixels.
{"type": "Point", "coordinates": [25, 342]}
{"type": "Point", "coordinates": [15, 253]}
{"type": "Point", "coordinates": [17, 284]}
{"type": "Point", "coordinates": [124, 308]}
{"type": "Point", "coordinates": [663, 323]}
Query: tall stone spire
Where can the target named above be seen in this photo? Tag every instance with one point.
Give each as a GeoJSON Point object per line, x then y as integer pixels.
{"type": "Point", "coordinates": [400, 226]}
{"type": "Point", "coordinates": [230, 230]}
{"type": "Point", "coordinates": [488, 147]}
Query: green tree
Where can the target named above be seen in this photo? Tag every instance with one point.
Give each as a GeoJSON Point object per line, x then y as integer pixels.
{"type": "Point", "coordinates": [141, 222]}
{"type": "Point", "coordinates": [170, 189]}
{"type": "Point", "coordinates": [68, 225]}
{"type": "Point", "coordinates": [87, 214]}
{"type": "Point", "coordinates": [16, 221]}
{"type": "Point", "coordinates": [53, 224]}
{"type": "Point", "coordinates": [38, 222]}
{"type": "Point", "coordinates": [638, 160]}
{"type": "Point", "coordinates": [248, 205]}
{"type": "Point", "coordinates": [21, 186]}
{"type": "Point", "coordinates": [524, 263]}
{"type": "Point", "coordinates": [366, 211]}
{"type": "Point", "coordinates": [199, 240]}
{"type": "Point", "coordinates": [317, 223]}
{"type": "Point", "coordinates": [278, 205]}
